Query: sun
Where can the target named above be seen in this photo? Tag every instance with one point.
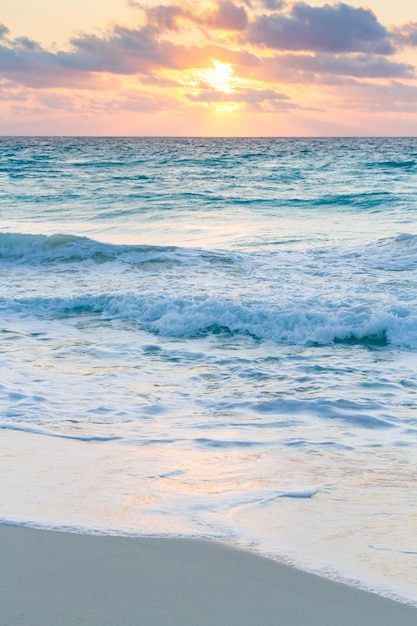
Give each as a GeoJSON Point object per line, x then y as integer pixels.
{"type": "Point", "coordinates": [220, 76]}
{"type": "Point", "coordinates": [215, 87]}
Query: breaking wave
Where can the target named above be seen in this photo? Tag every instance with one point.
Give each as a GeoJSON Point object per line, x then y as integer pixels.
{"type": "Point", "coordinates": [205, 315]}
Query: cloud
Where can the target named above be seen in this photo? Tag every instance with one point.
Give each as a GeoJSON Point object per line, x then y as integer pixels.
{"type": "Point", "coordinates": [405, 34]}
{"type": "Point", "coordinates": [395, 97]}
{"type": "Point", "coordinates": [252, 100]}
{"type": "Point", "coordinates": [121, 51]}
{"type": "Point", "coordinates": [146, 103]}
{"type": "Point", "coordinates": [229, 17]}
{"type": "Point", "coordinates": [9, 91]}
{"type": "Point", "coordinates": [158, 81]}
{"type": "Point", "coordinates": [166, 17]}
{"type": "Point", "coordinates": [226, 16]}
{"type": "Point", "coordinates": [330, 28]}
{"type": "Point", "coordinates": [272, 5]}
{"type": "Point", "coordinates": [133, 101]}
{"type": "Point", "coordinates": [240, 95]}
{"type": "Point", "coordinates": [132, 51]}
{"type": "Point", "coordinates": [243, 58]}
{"type": "Point", "coordinates": [4, 31]}
{"type": "Point", "coordinates": [316, 68]}
{"type": "Point", "coordinates": [26, 63]}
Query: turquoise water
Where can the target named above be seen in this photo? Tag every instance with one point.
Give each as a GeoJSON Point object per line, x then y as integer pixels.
{"type": "Point", "coordinates": [215, 338]}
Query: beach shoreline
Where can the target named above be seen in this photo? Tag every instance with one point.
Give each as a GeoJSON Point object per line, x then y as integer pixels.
{"type": "Point", "coordinates": [53, 577]}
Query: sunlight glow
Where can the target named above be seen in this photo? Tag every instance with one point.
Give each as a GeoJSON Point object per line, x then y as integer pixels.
{"type": "Point", "coordinates": [221, 76]}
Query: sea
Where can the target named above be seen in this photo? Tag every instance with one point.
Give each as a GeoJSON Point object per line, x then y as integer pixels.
{"type": "Point", "coordinates": [215, 338]}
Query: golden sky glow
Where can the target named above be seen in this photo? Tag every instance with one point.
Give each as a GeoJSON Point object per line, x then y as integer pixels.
{"type": "Point", "coordinates": [208, 67]}
{"type": "Point", "coordinates": [220, 76]}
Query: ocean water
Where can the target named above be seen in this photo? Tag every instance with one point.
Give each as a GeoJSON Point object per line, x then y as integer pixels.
{"type": "Point", "coordinates": [215, 338]}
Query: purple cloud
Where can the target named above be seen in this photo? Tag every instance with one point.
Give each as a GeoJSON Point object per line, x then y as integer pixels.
{"type": "Point", "coordinates": [330, 28]}
{"type": "Point", "coordinates": [227, 16]}
{"type": "Point", "coordinates": [296, 67]}
{"type": "Point", "coordinates": [123, 51]}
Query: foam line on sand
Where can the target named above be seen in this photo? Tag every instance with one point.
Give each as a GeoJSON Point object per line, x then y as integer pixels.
{"type": "Point", "coordinates": [49, 578]}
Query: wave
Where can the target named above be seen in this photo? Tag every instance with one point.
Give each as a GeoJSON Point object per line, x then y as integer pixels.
{"type": "Point", "coordinates": [19, 248]}
{"type": "Point", "coordinates": [205, 315]}
{"type": "Point", "coordinates": [394, 164]}
{"type": "Point", "coordinates": [60, 435]}
{"type": "Point", "coordinates": [397, 253]}
{"type": "Point", "coordinates": [363, 200]}
{"type": "Point", "coordinates": [375, 312]}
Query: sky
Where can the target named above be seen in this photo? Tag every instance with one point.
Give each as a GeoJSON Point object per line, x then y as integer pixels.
{"type": "Point", "coordinates": [208, 67]}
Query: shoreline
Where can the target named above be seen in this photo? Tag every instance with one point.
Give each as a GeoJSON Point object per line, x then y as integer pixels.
{"type": "Point", "coordinates": [50, 577]}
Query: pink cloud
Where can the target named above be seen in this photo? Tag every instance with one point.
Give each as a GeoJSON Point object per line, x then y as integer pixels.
{"type": "Point", "coordinates": [229, 17]}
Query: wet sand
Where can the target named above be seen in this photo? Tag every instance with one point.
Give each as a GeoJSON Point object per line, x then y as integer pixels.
{"type": "Point", "coordinates": [49, 578]}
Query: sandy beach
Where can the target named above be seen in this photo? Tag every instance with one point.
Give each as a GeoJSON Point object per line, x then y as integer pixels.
{"type": "Point", "coordinates": [49, 578]}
